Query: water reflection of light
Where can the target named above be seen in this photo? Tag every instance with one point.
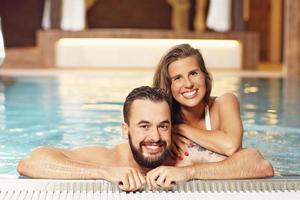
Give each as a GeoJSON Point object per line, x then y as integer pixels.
{"type": "Point", "coordinates": [250, 106]}
{"type": "Point", "coordinates": [250, 89]}
{"type": "Point", "coordinates": [270, 118]}
{"type": "Point", "coordinates": [101, 107]}
{"type": "Point", "coordinates": [250, 115]}
{"type": "Point", "coordinates": [2, 111]}
{"type": "Point", "coordinates": [228, 84]}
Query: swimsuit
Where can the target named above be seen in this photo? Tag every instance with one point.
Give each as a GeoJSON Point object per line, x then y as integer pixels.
{"type": "Point", "coordinates": [200, 153]}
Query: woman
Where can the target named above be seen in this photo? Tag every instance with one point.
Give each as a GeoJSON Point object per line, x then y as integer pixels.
{"type": "Point", "coordinates": [213, 123]}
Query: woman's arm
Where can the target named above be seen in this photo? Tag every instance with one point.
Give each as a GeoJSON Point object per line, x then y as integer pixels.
{"type": "Point", "coordinates": [228, 139]}
{"type": "Point", "coordinates": [246, 163]}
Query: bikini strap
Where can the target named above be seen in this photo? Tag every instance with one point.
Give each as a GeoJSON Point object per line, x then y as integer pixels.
{"type": "Point", "coordinates": [207, 119]}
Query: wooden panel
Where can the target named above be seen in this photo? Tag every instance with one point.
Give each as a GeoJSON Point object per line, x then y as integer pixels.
{"type": "Point", "coordinates": [260, 21]}
{"type": "Point", "coordinates": [47, 41]}
{"type": "Point", "coordinates": [292, 38]}
{"type": "Point", "coordinates": [238, 23]}
{"type": "Point", "coordinates": [146, 14]}
{"type": "Point", "coordinates": [20, 20]}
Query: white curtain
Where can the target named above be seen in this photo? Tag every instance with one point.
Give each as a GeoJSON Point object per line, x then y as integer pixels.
{"type": "Point", "coordinates": [73, 15]}
{"type": "Point", "coordinates": [219, 15]}
{"type": "Point", "coordinates": [46, 15]}
{"type": "Point", "coordinates": [2, 52]}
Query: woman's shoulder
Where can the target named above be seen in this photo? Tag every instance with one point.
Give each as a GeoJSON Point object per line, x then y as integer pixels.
{"type": "Point", "coordinates": [225, 99]}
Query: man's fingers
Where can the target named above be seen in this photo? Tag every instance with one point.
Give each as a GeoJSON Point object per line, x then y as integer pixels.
{"type": "Point", "coordinates": [151, 178]}
{"type": "Point", "coordinates": [169, 183]}
{"type": "Point", "coordinates": [161, 180]}
{"type": "Point", "coordinates": [124, 184]}
{"type": "Point", "coordinates": [142, 178]}
{"type": "Point", "coordinates": [138, 182]}
{"type": "Point", "coordinates": [133, 180]}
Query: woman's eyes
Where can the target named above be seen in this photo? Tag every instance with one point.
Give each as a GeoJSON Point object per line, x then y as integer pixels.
{"type": "Point", "coordinates": [194, 73]}
{"type": "Point", "coordinates": [176, 78]}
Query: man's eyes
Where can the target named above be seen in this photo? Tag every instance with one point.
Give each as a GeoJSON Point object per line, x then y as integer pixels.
{"type": "Point", "coordinates": [145, 126]}
{"type": "Point", "coordinates": [164, 127]}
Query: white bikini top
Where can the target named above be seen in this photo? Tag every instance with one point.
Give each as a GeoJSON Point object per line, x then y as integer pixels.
{"type": "Point", "coordinates": [198, 154]}
{"type": "Point", "coordinates": [207, 119]}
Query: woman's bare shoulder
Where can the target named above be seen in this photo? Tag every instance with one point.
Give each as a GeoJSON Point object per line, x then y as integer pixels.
{"type": "Point", "coordinates": [226, 99]}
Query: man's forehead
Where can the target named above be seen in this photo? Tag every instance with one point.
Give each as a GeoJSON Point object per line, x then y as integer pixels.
{"type": "Point", "coordinates": [143, 102]}
{"type": "Point", "coordinates": [145, 109]}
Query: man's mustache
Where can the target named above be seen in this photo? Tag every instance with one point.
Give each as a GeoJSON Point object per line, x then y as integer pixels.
{"type": "Point", "coordinates": [159, 143]}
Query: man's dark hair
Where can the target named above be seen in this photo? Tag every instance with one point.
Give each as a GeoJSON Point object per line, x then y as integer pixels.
{"type": "Point", "coordinates": [144, 93]}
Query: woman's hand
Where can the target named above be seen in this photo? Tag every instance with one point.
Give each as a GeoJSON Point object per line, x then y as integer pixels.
{"type": "Point", "coordinates": [179, 144]}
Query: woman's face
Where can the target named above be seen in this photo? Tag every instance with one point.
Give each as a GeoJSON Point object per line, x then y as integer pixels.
{"type": "Point", "coordinates": [187, 81]}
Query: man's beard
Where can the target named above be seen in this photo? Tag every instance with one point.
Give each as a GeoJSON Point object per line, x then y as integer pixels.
{"type": "Point", "coordinates": [149, 163]}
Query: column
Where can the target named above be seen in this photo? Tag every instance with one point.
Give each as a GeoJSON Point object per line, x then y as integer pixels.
{"type": "Point", "coordinates": [292, 38]}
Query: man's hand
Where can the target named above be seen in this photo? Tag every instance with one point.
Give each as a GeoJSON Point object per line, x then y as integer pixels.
{"type": "Point", "coordinates": [128, 179]}
{"type": "Point", "coordinates": [166, 177]}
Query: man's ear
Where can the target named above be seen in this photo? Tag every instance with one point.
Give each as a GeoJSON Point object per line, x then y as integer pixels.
{"type": "Point", "coordinates": [125, 130]}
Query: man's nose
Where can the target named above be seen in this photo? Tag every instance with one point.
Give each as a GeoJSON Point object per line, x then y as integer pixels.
{"type": "Point", "coordinates": [155, 135]}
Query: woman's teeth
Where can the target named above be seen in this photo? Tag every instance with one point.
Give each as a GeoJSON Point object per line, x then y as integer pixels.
{"type": "Point", "coordinates": [189, 94]}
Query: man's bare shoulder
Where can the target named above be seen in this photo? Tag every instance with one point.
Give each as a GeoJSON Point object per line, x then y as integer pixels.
{"type": "Point", "coordinates": [95, 154]}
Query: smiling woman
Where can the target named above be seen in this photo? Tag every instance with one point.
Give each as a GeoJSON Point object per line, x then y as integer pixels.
{"type": "Point", "coordinates": [211, 122]}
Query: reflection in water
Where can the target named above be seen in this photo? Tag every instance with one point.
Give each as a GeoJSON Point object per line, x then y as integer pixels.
{"type": "Point", "coordinates": [291, 101]}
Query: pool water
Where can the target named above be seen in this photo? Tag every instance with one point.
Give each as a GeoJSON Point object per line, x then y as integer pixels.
{"type": "Point", "coordinates": [86, 109]}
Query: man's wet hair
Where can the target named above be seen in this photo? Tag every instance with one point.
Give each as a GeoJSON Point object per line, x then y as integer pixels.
{"type": "Point", "coordinates": [144, 93]}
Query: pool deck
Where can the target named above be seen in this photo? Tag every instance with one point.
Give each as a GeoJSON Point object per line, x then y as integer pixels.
{"type": "Point", "coordinates": [274, 188]}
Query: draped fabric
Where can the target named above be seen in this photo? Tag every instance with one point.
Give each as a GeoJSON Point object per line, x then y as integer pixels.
{"type": "Point", "coordinates": [46, 15]}
{"type": "Point", "coordinates": [64, 14]}
{"type": "Point", "coordinates": [2, 52]}
{"type": "Point", "coordinates": [219, 15]}
{"type": "Point", "coordinates": [73, 17]}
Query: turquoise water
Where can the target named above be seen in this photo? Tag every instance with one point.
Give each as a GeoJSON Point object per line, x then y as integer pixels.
{"type": "Point", "coordinates": [83, 109]}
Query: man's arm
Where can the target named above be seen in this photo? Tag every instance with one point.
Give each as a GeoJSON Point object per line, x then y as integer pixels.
{"type": "Point", "coordinates": [55, 163]}
{"type": "Point", "coordinates": [246, 163]}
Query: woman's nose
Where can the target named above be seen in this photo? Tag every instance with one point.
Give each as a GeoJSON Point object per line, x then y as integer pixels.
{"type": "Point", "coordinates": [188, 83]}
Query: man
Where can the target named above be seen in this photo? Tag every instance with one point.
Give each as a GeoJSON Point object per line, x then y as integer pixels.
{"type": "Point", "coordinates": [146, 159]}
